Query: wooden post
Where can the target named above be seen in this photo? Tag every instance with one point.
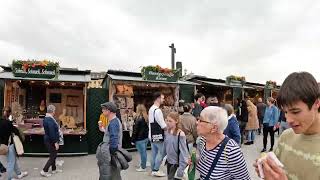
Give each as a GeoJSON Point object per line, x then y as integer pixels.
{"type": "Point", "coordinates": [5, 93]}
{"type": "Point", "coordinates": [85, 107]}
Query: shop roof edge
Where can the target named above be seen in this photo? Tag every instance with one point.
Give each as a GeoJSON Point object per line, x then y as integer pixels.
{"type": "Point", "coordinates": [135, 76]}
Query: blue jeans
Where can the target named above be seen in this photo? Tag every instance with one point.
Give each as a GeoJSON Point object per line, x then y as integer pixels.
{"type": "Point", "coordinates": [251, 135]}
{"type": "Point", "coordinates": [157, 155]}
{"type": "Point", "coordinates": [142, 149]}
{"type": "Point", "coordinates": [12, 165]}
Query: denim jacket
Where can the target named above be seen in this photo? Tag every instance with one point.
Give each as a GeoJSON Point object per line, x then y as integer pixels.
{"type": "Point", "coordinates": [271, 116]}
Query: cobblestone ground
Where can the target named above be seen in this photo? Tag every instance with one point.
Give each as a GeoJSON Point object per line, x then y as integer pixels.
{"type": "Point", "coordinates": [85, 167]}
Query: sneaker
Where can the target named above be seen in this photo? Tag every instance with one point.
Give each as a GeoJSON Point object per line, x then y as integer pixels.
{"type": "Point", "coordinates": [3, 170]}
{"type": "Point", "coordinates": [141, 170]}
{"type": "Point", "coordinates": [45, 174]}
{"type": "Point", "coordinates": [158, 174]}
{"type": "Point", "coordinates": [59, 162]}
{"type": "Point", "coordinates": [57, 171]}
{"type": "Point", "coordinates": [263, 150]}
{"type": "Point", "coordinates": [23, 174]}
{"type": "Point", "coordinates": [248, 143]}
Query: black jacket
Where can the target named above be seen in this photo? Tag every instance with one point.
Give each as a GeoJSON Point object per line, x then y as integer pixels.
{"type": "Point", "coordinates": [140, 129]}
{"type": "Point", "coordinates": [6, 129]}
{"type": "Point", "coordinates": [242, 113]}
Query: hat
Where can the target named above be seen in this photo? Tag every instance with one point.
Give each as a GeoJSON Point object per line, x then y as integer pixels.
{"type": "Point", "coordinates": [109, 106]}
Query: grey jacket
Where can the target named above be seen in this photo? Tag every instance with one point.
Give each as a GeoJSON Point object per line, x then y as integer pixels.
{"type": "Point", "coordinates": [103, 154]}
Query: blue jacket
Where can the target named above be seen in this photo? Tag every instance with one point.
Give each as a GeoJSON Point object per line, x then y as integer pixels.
{"type": "Point", "coordinates": [113, 129]}
{"type": "Point", "coordinates": [51, 130]}
{"type": "Point", "coordinates": [271, 116]}
{"type": "Point", "coordinates": [233, 130]}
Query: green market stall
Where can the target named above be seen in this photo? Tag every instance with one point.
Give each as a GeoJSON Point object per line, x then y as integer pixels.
{"type": "Point", "coordinates": [29, 86]}
{"type": "Point", "coordinates": [128, 89]}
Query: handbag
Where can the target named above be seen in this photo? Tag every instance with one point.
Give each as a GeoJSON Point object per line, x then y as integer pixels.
{"type": "Point", "coordinates": [185, 171]}
{"type": "Point", "coordinates": [17, 144]}
{"type": "Point", "coordinates": [61, 139]}
{"type": "Point", "coordinates": [157, 133]}
{"type": "Point", "coordinates": [4, 148]}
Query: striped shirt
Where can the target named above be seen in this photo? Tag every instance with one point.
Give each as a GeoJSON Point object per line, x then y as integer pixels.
{"type": "Point", "coordinates": [231, 164]}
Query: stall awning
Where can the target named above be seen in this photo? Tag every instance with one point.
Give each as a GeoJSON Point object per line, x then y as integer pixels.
{"type": "Point", "coordinates": [221, 84]}
{"type": "Point", "coordinates": [140, 79]}
{"type": "Point", "coordinates": [213, 83]}
{"type": "Point", "coordinates": [61, 77]}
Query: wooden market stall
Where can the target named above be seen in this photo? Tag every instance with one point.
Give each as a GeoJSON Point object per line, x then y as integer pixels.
{"type": "Point", "coordinates": [255, 92]}
{"type": "Point", "coordinates": [210, 87]}
{"type": "Point", "coordinates": [128, 89]}
{"type": "Point", "coordinates": [29, 86]}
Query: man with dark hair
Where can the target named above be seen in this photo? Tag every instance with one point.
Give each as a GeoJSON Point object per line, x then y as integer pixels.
{"type": "Point", "coordinates": [157, 126]}
{"type": "Point", "coordinates": [261, 107]}
{"type": "Point", "coordinates": [298, 147]}
{"type": "Point", "coordinates": [213, 101]}
{"type": "Point", "coordinates": [197, 105]}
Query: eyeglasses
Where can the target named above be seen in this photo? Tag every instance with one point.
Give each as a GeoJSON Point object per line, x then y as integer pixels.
{"type": "Point", "coordinates": [200, 120]}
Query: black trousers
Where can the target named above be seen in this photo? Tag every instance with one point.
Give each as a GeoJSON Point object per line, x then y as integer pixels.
{"type": "Point", "coordinates": [242, 126]}
{"type": "Point", "coordinates": [52, 158]}
{"type": "Point", "coordinates": [2, 168]}
{"type": "Point", "coordinates": [171, 171]}
{"type": "Point", "coordinates": [266, 130]}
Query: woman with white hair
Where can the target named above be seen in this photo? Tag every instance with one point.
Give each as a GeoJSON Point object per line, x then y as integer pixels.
{"type": "Point", "coordinates": [51, 140]}
{"type": "Point", "coordinates": [220, 156]}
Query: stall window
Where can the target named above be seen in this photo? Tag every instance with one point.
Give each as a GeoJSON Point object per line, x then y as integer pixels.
{"type": "Point", "coordinates": [55, 98]}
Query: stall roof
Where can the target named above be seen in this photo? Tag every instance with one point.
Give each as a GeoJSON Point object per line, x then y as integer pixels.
{"type": "Point", "coordinates": [213, 83]}
{"type": "Point", "coordinates": [221, 82]}
{"type": "Point", "coordinates": [65, 75]}
{"type": "Point", "coordinates": [134, 76]}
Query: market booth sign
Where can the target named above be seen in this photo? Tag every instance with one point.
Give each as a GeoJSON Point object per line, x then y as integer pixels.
{"type": "Point", "coordinates": [35, 69]}
{"type": "Point", "coordinates": [235, 80]}
{"type": "Point", "coordinates": [156, 73]}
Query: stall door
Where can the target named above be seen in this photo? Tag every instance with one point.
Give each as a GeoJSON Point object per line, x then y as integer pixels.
{"type": "Point", "coordinates": [95, 97]}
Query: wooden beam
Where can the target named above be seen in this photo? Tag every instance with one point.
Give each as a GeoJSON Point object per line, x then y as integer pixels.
{"type": "Point", "coordinates": [85, 107]}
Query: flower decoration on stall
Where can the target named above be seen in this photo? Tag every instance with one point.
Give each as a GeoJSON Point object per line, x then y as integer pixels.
{"type": "Point", "coordinates": [271, 84]}
{"type": "Point", "coordinates": [33, 68]}
{"type": "Point", "coordinates": [26, 64]}
{"type": "Point", "coordinates": [159, 73]}
{"type": "Point", "coordinates": [158, 69]}
{"type": "Point", "coordinates": [236, 80]}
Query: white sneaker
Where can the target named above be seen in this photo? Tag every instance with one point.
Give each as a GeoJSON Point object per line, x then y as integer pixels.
{"type": "Point", "coordinates": [158, 173]}
{"type": "Point", "coordinates": [59, 162]}
{"type": "Point", "coordinates": [45, 174]}
{"type": "Point", "coordinates": [141, 170]}
{"type": "Point", "coordinates": [57, 171]}
{"type": "Point", "coordinates": [23, 174]}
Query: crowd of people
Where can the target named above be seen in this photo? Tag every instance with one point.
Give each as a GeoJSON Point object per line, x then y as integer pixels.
{"type": "Point", "coordinates": [212, 132]}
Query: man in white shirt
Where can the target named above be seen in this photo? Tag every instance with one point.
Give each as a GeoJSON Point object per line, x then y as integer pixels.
{"type": "Point", "coordinates": [157, 126]}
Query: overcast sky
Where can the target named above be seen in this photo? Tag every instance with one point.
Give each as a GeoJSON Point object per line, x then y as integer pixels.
{"type": "Point", "coordinates": [261, 40]}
